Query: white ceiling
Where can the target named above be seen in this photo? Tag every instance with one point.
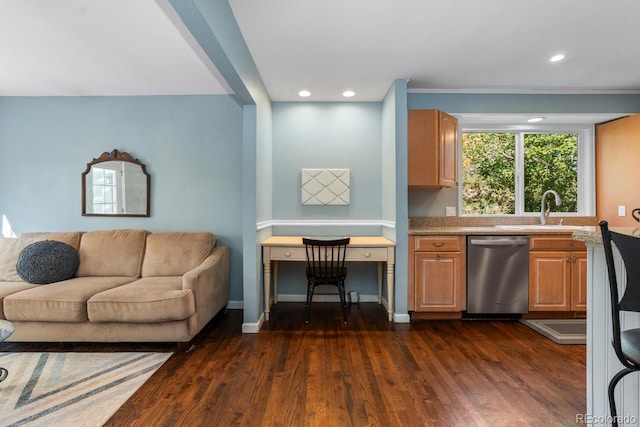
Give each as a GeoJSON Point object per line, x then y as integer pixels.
{"type": "Point", "coordinates": [124, 47]}
{"type": "Point", "coordinates": [490, 45]}
{"type": "Point", "coordinates": [100, 47]}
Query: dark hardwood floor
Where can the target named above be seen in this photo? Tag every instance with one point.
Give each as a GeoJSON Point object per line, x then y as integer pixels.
{"type": "Point", "coordinates": [367, 373]}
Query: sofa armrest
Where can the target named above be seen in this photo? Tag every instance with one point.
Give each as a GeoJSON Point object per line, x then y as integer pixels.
{"type": "Point", "coordinates": [209, 283]}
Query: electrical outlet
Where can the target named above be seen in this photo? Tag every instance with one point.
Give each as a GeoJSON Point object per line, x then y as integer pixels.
{"type": "Point", "coordinates": [622, 211]}
{"type": "Point", "coordinates": [450, 211]}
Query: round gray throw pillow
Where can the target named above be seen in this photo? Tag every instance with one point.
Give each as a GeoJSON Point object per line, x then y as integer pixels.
{"type": "Point", "coordinates": [47, 262]}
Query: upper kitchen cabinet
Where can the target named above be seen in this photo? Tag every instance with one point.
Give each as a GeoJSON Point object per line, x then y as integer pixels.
{"type": "Point", "coordinates": [432, 149]}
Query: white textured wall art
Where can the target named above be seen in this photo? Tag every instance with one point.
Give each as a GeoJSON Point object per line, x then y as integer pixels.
{"type": "Point", "coordinates": [325, 187]}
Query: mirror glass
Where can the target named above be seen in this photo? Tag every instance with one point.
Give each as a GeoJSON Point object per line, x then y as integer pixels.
{"type": "Point", "coordinates": [115, 184]}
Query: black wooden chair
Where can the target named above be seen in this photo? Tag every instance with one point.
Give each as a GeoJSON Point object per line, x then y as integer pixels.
{"type": "Point", "coordinates": [626, 343]}
{"type": "Point", "coordinates": [325, 266]}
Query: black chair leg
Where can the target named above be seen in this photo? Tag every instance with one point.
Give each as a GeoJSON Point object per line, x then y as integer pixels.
{"type": "Point", "coordinates": [310, 289]}
{"type": "Point", "coordinates": [612, 401]}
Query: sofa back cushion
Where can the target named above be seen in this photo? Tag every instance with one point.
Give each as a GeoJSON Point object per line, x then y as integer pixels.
{"type": "Point", "coordinates": [174, 253]}
{"type": "Point", "coordinates": [10, 248]}
{"type": "Point", "coordinates": [111, 253]}
{"type": "Point", "coordinates": [71, 238]}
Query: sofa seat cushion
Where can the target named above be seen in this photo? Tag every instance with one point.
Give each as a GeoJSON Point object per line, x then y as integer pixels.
{"type": "Point", "coordinates": [8, 288]}
{"type": "Point", "coordinates": [58, 302]}
{"type": "Point", "coordinates": [171, 253]}
{"type": "Point", "coordinates": [111, 253]}
{"type": "Point", "coordinates": [152, 299]}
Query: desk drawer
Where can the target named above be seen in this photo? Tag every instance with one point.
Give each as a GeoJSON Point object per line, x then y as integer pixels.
{"type": "Point", "coordinates": [286, 254]}
{"type": "Point", "coordinates": [353, 254]}
{"type": "Point", "coordinates": [366, 254]}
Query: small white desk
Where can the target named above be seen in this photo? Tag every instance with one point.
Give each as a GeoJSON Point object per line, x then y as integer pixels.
{"type": "Point", "coordinates": [290, 248]}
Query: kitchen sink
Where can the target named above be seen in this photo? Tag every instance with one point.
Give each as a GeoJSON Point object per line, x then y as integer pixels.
{"type": "Point", "coordinates": [539, 227]}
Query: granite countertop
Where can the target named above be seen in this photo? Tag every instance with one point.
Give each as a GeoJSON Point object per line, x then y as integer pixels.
{"type": "Point", "coordinates": [473, 230]}
{"type": "Point", "coordinates": [502, 225]}
{"type": "Point", "coordinates": [593, 235]}
{"type": "Point", "coordinates": [581, 228]}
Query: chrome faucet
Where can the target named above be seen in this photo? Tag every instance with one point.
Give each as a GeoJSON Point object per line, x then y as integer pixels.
{"type": "Point", "coordinates": [544, 214]}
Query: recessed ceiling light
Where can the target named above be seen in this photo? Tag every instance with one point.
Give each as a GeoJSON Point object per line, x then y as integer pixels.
{"type": "Point", "coordinates": [557, 58]}
{"type": "Point", "coordinates": [535, 119]}
{"type": "Point", "coordinates": [348, 93]}
{"type": "Point", "coordinates": [304, 93]}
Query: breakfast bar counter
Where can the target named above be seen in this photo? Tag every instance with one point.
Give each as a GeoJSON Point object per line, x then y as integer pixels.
{"type": "Point", "coordinates": [602, 363]}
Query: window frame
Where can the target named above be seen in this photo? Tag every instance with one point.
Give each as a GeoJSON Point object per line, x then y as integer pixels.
{"type": "Point", "coordinates": [586, 164]}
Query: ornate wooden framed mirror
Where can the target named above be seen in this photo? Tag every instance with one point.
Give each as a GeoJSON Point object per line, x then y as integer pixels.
{"type": "Point", "coordinates": [115, 184]}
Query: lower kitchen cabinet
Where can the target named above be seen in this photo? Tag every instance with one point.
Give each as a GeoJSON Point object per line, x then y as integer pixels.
{"type": "Point", "coordinates": [557, 274]}
{"type": "Point", "coordinates": [437, 270]}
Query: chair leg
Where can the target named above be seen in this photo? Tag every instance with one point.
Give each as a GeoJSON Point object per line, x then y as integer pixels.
{"type": "Point", "coordinates": [310, 289]}
{"type": "Point", "coordinates": [343, 301]}
{"type": "Point", "coordinates": [612, 402]}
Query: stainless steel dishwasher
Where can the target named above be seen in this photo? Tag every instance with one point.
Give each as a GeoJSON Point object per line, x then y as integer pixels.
{"type": "Point", "coordinates": [497, 274]}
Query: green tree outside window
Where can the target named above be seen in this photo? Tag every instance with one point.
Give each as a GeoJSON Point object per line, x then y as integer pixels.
{"type": "Point", "coordinates": [489, 171]}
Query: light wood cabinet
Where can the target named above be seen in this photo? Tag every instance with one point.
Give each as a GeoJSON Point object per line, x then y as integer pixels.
{"type": "Point", "coordinates": [432, 149]}
{"type": "Point", "coordinates": [437, 273]}
{"type": "Point", "coordinates": [557, 274]}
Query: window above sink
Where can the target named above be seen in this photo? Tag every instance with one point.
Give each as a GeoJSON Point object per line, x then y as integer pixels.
{"type": "Point", "coordinates": [505, 169]}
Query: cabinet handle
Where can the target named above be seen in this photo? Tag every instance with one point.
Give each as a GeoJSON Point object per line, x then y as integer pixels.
{"type": "Point", "coordinates": [438, 244]}
{"type": "Point", "coordinates": [367, 254]}
{"type": "Point", "coordinates": [287, 254]}
{"type": "Point", "coordinates": [437, 257]}
{"type": "Point", "coordinates": [569, 259]}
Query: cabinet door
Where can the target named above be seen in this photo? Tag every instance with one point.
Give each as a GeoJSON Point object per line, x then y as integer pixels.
{"type": "Point", "coordinates": [579, 281]}
{"type": "Point", "coordinates": [438, 285]}
{"type": "Point", "coordinates": [549, 281]}
{"type": "Point", "coordinates": [432, 149]}
{"type": "Point", "coordinates": [448, 151]}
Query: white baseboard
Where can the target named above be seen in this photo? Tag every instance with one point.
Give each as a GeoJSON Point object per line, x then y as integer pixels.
{"type": "Point", "coordinates": [323, 298]}
{"type": "Point", "coordinates": [235, 305]}
{"type": "Point", "coordinates": [253, 328]}
{"type": "Point", "coordinates": [401, 318]}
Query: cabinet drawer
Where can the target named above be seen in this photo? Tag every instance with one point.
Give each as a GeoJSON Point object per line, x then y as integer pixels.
{"type": "Point", "coordinates": [563, 242]}
{"type": "Point", "coordinates": [437, 244]}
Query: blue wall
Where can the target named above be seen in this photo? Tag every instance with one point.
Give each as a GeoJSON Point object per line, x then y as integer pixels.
{"type": "Point", "coordinates": [327, 135]}
{"type": "Point", "coordinates": [191, 146]}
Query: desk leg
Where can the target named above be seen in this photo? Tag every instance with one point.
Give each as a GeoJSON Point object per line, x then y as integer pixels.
{"type": "Point", "coordinates": [379, 283]}
{"type": "Point", "coordinates": [267, 289]}
{"type": "Point", "coordinates": [275, 282]}
{"type": "Point", "coordinates": [390, 290]}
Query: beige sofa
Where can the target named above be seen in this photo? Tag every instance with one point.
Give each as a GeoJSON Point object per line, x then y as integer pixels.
{"type": "Point", "coordinates": [130, 286]}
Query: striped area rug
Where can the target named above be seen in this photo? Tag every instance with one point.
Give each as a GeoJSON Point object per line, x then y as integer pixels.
{"type": "Point", "coordinates": [70, 389]}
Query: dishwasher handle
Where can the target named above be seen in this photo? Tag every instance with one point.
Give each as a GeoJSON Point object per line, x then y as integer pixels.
{"type": "Point", "coordinates": [499, 242]}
